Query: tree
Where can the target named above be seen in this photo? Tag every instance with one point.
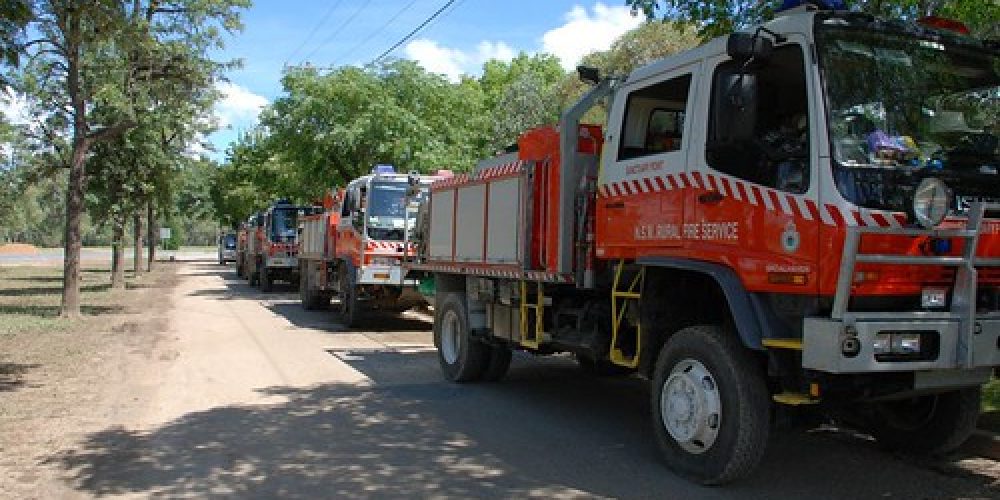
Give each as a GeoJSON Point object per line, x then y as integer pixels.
{"type": "Point", "coordinates": [95, 64]}
{"type": "Point", "coordinates": [720, 17]}
{"type": "Point", "coordinates": [521, 94]}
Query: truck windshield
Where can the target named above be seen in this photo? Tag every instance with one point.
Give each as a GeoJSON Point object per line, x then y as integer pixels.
{"type": "Point", "coordinates": [229, 240]}
{"type": "Point", "coordinates": [902, 108]}
{"type": "Point", "coordinates": [284, 224]}
{"type": "Point", "coordinates": [387, 214]}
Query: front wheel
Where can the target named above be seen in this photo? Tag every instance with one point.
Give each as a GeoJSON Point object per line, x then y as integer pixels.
{"type": "Point", "coordinates": [710, 406]}
{"type": "Point", "coordinates": [933, 425]}
{"type": "Point", "coordinates": [348, 295]}
{"type": "Point", "coordinates": [462, 357]}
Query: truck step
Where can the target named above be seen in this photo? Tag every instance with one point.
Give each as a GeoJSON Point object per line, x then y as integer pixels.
{"type": "Point", "coordinates": [794, 344]}
{"type": "Point", "coordinates": [794, 399]}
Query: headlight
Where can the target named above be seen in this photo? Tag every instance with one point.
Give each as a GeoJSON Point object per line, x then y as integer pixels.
{"type": "Point", "coordinates": [931, 201]}
{"type": "Point", "coordinates": [384, 261]}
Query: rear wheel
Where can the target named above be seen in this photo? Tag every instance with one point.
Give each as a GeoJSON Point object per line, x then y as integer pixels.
{"type": "Point", "coordinates": [254, 278]}
{"type": "Point", "coordinates": [306, 296]}
{"type": "Point", "coordinates": [934, 424]}
{"type": "Point", "coordinates": [462, 358]}
{"type": "Point", "coordinates": [710, 406]}
{"type": "Point", "coordinates": [266, 282]}
{"type": "Point", "coordinates": [497, 364]}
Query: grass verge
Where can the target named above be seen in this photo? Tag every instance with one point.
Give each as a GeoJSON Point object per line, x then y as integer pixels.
{"type": "Point", "coordinates": [30, 298]}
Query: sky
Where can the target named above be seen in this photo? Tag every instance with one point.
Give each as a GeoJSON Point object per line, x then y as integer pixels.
{"type": "Point", "coordinates": [332, 33]}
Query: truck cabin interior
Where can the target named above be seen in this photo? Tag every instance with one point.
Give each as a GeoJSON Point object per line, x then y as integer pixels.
{"type": "Point", "coordinates": [759, 123]}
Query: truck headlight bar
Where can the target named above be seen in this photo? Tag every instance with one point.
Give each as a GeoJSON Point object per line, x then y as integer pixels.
{"type": "Point", "coordinates": [931, 201]}
{"type": "Point", "coordinates": [905, 345]}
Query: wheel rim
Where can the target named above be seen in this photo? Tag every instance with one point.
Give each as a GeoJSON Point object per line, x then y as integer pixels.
{"type": "Point", "coordinates": [451, 340]}
{"type": "Point", "coordinates": [691, 407]}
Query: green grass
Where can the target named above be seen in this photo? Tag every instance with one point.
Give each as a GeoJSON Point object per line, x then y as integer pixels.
{"type": "Point", "coordinates": [30, 298]}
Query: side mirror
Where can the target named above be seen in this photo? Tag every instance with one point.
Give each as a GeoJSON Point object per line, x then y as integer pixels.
{"type": "Point", "coordinates": [746, 46]}
{"type": "Point", "coordinates": [589, 74]}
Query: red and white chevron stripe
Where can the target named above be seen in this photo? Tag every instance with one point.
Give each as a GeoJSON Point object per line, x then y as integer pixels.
{"type": "Point", "coordinates": [388, 245]}
{"type": "Point", "coordinates": [495, 272]}
{"type": "Point", "coordinates": [503, 170]}
{"type": "Point", "coordinates": [771, 199]}
{"type": "Point", "coordinates": [511, 168]}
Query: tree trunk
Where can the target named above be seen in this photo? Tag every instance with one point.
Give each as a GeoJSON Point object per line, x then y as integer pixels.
{"type": "Point", "coordinates": [73, 238]}
{"type": "Point", "coordinates": [137, 250]}
{"type": "Point", "coordinates": [151, 233]}
{"type": "Point", "coordinates": [118, 253]}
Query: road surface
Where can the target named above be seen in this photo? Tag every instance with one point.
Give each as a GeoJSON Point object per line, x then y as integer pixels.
{"type": "Point", "coordinates": [262, 400]}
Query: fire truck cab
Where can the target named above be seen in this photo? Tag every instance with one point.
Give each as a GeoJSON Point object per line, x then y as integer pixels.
{"type": "Point", "coordinates": [275, 249]}
{"type": "Point", "coordinates": [801, 215]}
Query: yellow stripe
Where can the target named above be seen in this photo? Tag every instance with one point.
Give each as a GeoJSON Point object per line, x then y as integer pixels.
{"type": "Point", "coordinates": [794, 399]}
{"type": "Point", "coordinates": [783, 343]}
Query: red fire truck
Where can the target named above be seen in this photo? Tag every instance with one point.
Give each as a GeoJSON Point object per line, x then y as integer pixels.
{"type": "Point", "coordinates": [355, 249]}
{"type": "Point", "coordinates": [272, 245]}
{"type": "Point", "coordinates": [799, 215]}
{"type": "Point", "coordinates": [244, 235]}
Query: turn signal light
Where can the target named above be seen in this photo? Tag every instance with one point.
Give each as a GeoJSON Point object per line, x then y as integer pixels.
{"type": "Point", "coordinates": [787, 278]}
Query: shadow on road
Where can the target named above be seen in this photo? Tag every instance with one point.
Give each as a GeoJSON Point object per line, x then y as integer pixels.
{"type": "Point", "coordinates": [12, 375]}
{"type": "Point", "coordinates": [47, 290]}
{"type": "Point", "coordinates": [53, 311]}
{"type": "Point", "coordinates": [284, 301]}
{"type": "Point", "coordinates": [546, 431]}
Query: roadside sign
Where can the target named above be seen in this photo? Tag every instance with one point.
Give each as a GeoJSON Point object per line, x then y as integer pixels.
{"type": "Point", "coordinates": [164, 233]}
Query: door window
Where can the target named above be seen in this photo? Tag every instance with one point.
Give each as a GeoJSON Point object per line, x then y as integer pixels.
{"type": "Point", "coordinates": [654, 119]}
{"type": "Point", "coordinates": [759, 121]}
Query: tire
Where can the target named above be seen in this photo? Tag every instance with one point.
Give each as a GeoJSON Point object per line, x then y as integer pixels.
{"type": "Point", "coordinates": [497, 364]}
{"type": "Point", "coordinates": [266, 283]}
{"type": "Point", "coordinates": [254, 278]}
{"type": "Point", "coordinates": [930, 425]}
{"type": "Point", "coordinates": [462, 358]}
{"type": "Point", "coordinates": [716, 404]}
{"type": "Point", "coordinates": [307, 298]}
{"type": "Point", "coordinates": [239, 269]}
{"type": "Point", "coordinates": [349, 314]}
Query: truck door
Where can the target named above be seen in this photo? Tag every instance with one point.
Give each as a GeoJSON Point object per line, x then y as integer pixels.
{"type": "Point", "coordinates": [349, 235]}
{"type": "Point", "coordinates": [754, 199]}
{"type": "Point", "coordinates": [640, 204]}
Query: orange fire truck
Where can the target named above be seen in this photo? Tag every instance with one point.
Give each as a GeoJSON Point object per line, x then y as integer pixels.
{"type": "Point", "coordinates": [272, 245]}
{"type": "Point", "coordinates": [244, 235]}
{"type": "Point", "coordinates": [799, 215]}
{"type": "Point", "coordinates": [355, 249]}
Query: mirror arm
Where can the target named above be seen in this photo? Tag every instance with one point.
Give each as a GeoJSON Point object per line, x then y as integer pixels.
{"type": "Point", "coordinates": [778, 38]}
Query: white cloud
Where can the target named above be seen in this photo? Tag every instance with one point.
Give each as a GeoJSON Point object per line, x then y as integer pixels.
{"type": "Point", "coordinates": [586, 32]}
{"type": "Point", "coordinates": [453, 63]}
{"type": "Point", "coordinates": [238, 107]}
{"type": "Point", "coordinates": [437, 59]}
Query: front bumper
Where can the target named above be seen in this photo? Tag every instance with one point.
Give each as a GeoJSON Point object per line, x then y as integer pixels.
{"type": "Point", "coordinates": [283, 262]}
{"type": "Point", "coordinates": [826, 341]}
{"type": "Point", "coordinates": [383, 275]}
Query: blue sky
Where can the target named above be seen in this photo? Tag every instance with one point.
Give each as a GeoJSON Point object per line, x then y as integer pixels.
{"type": "Point", "coordinates": [353, 32]}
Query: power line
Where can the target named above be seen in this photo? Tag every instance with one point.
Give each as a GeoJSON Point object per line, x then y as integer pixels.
{"type": "Point", "coordinates": [378, 31]}
{"type": "Point", "coordinates": [338, 29]}
{"type": "Point", "coordinates": [414, 32]}
{"type": "Point", "coordinates": [314, 30]}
